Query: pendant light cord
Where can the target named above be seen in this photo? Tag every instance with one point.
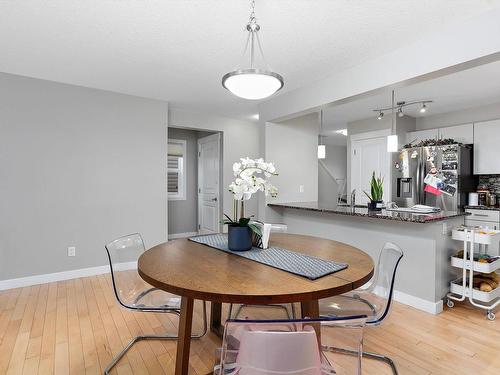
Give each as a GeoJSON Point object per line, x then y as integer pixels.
{"type": "Point", "coordinates": [320, 126]}
{"type": "Point", "coordinates": [253, 35]}
{"type": "Point", "coordinates": [393, 125]}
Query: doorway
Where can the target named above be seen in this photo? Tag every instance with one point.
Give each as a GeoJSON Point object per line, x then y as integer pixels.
{"type": "Point", "coordinates": [369, 155]}
{"type": "Point", "coordinates": [193, 182]}
{"type": "Point", "coordinates": [209, 167]}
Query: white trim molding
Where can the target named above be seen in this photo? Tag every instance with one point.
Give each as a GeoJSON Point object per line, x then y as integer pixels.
{"type": "Point", "coordinates": [433, 308]}
{"type": "Point", "coordinates": [174, 236]}
{"type": "Point", "coordinates": [61, 276]}
{"type": "Point", "coordinates": [371, 134]}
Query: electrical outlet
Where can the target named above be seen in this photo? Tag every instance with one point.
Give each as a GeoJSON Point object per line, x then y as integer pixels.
{"type": "Point", "coordinates": [71, 251]}
{"type": "Point", "coordinates": [301, 188]}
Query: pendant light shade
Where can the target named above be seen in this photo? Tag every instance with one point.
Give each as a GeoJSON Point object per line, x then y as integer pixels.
{"type": "Point", "coordinates": [253, 82]}
{"type": "Point", "coordinates": [321, 151]}
{"type": "Point", "coordinates": [392, 143]}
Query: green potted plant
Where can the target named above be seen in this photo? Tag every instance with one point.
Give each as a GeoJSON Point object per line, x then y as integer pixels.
{"type": "Point", "coordinates": [251, 176]}
{"type": "Point", "coordinates": [376, 193]}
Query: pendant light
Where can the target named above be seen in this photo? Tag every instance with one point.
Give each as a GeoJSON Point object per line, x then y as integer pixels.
{"type": "Point", "coordinates": [392, 140]}
{"type": "Point", "coordinates": [321, 146]}
{"type": "Point", "coordinates": [253, 82]}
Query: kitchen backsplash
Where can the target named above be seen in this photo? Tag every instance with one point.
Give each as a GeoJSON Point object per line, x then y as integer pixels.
{"type": "Point", "coordinates": [492, 181]}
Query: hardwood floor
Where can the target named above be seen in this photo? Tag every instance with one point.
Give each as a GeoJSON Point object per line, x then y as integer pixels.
{"type": "Point", "coordinates": [76, 326]}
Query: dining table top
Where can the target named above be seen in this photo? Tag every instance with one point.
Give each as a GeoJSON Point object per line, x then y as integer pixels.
{"type": "Point", "coordinates": [197, 271]}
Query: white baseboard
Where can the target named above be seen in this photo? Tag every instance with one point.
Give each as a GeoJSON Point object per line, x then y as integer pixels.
{"type": "Point", "coordinates": [174, 236]}
{"type": "Point", "coordinates": [60, 276]}
{"type": "Point", "coordinates": [419, 303]}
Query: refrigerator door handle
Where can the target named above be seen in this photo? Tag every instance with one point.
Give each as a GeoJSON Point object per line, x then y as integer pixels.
{"type": "Point", "coordinates": [422, 178]}
{"type": "Point", "coordinates": [418, 184]}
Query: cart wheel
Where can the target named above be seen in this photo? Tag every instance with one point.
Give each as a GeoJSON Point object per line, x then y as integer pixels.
{"type": "Point", "coordinates": [450, 303]}
{"type": "Point", "coordinates": [491, 315]}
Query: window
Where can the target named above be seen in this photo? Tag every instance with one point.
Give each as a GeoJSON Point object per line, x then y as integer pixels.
{"type": "Point", "coordinates": [176, 169]}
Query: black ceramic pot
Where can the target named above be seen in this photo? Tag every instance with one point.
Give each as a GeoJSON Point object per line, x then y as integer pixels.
{"type": "Point", "coordinates": [375, 206]}
{"type": "Point", "coordinates": [239, 238]}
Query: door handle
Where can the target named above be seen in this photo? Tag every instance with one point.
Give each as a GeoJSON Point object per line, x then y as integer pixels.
{"type": "Point", "coordinates": [214, 199]}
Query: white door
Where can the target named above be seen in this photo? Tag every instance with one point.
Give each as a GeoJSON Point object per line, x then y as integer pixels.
{"type": "Point", "coordinates": [367, 156]}
{"type": "Point", "coordinates": [208, 184]}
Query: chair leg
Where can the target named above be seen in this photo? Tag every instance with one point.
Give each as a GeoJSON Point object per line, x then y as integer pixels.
{"type": "Point", "coordinates": [375, 356]}
{"type": "Point", "coordinates": [383, 358]}
{"type": "Point", "coordinates": [136, 339]}
{"type": "Point", "coordinates": [294, 314]}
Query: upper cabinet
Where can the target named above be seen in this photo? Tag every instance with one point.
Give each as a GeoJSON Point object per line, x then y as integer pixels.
{"type": "Point", "coordinates": [422, 135]}
{"type": "Point", "coordinates": [460, 133]}
{"type": "Point", "coordinates": [487, 147]}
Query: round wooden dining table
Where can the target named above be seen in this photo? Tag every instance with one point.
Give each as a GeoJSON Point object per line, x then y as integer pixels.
{"type": "Point", "coordinates": [196, 271]}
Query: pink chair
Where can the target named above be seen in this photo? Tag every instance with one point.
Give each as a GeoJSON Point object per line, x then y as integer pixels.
{"type": "Point", "coordinates": [274, 347]}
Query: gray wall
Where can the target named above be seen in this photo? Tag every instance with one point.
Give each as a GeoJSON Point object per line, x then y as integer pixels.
{"type": "Point", "coordinates": [183, 214]}
{"type": "Point", "coordinates": [293, 146]}
{"type": "Point", "coordinates": [78, 167]}
{"type": "Point", "coordinates": [336, 164]}
{"type": "Point", "coordinates": [476, 114]}
{"type": "Point", "coordinates": [239, 139]}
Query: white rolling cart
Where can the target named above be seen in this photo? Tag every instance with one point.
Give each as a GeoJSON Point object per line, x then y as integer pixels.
{"type": "Point", "coordinates": [459, 290]}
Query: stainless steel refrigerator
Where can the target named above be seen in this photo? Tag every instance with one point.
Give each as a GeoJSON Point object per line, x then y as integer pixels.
{"type": "Point", "coordinates": [438, 176]}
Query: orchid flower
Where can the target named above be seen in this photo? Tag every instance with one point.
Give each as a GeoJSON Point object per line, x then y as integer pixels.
{"type": "Point", "coordinates": [247, 183]}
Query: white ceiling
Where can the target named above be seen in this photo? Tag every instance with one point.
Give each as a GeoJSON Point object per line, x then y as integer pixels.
{"type": "Point", "coordinates": [466, 89]}
{"type": "Point", "coordinates": [177, 50]}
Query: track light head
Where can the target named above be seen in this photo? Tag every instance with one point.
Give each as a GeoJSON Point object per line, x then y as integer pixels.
{"type": "Point", "coordinates": [423, 109]}
{"type": "Point", "coordinates": [380, 115]}
{"type": "Point", "coordinates": [400, 112]}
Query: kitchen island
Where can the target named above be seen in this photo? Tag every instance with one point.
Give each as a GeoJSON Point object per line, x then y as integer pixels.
{"type": "Point", "coordinates": [424, 273]}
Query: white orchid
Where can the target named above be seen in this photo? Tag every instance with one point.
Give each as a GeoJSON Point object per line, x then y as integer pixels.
{"type": "Point", "coordinates": [247, 183]}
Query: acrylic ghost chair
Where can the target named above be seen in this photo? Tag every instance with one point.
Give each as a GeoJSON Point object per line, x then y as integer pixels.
{"type": "Point", "coordinates": [135, 294]}
{"type": "Point", "coordinates": [274, 347]}
{"type": "Point", "coordinates": [373, 300]}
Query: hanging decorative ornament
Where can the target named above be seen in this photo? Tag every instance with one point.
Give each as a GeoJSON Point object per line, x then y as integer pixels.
{"type": "Point", "coordinates": [253, 82]}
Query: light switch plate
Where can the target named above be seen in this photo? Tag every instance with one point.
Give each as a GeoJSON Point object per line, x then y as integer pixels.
{"type": "Point", "coordinates": [71, 251]}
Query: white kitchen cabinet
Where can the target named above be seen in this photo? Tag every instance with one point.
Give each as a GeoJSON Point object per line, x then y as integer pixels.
{"type": "Point", "coordinates": [422, 135]}
{"type": "Point", "coordinates": [460, 133]}
{"type": "Point", "coordinates": [487, 147]}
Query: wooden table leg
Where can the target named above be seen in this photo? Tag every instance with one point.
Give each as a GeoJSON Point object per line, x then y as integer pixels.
{"type": "Point", "coordinates": [216, 319]}
{"type": "Point", "coordinates": [184, 341]}
{"type": "Point", "coordinates": [310, 309]}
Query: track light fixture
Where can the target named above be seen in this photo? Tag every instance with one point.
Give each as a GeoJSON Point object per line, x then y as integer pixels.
{"type": "Point", "coordinates": [400, 105]}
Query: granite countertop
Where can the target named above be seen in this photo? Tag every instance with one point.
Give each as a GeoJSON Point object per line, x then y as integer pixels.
{"type": "Point", "coordinates": [483, 208]}
{"type": "Point", "coordinates": [362, 211]}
